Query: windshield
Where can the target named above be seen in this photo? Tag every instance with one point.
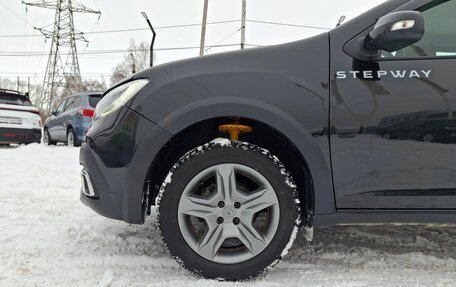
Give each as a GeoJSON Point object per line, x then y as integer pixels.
{"type": "Point", "coordinates": [93, 100]}
{"type": "Point", "coordinates": [14, 100]}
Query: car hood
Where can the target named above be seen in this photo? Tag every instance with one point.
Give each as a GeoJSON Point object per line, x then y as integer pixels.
{"type": "Point", "coordinates": [290, 60]}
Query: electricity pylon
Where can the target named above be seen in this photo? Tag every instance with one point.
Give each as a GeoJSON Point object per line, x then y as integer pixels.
{"type": "Point", "coordinates": [62, 68]}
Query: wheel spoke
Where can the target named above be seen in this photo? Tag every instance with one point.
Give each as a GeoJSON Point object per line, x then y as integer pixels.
{"type": "Point", "coordinates": [226, 181]}
{"type": "Point", "coordinates": [198, 207]}
{"type": "Point", "coordinates": [211, 243]}
{"type": "Point", "coordinates": [259, 200]}
{"type": "Point", "coordinates": [253, 241]}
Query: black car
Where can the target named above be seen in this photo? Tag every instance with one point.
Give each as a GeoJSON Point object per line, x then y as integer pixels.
{"type": "Point", "coordinates": [442, 131]}
{"type": "Point", "coordinates": [238, 150]}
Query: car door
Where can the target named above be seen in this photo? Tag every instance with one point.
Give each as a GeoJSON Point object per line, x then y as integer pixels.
{"type": "Point", "coordinates": [66, 116]}
{"type": "Point", "coordinates": [54, 122]}
{"type": "Point", "coordinates": [371, 99]}
{"type": "Point", "coordinates": [63, 118]}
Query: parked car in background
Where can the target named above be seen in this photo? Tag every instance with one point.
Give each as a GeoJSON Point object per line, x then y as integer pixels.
{"type": "Point", "coordinates": [437, 127]}
{"type": "Point", "coordinates": [20, 121]}
{"type": "Point", "coordinates": [70, 121]}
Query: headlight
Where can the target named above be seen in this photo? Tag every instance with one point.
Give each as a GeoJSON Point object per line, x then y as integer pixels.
{"type": "Point", "coordinates": [117, 97]}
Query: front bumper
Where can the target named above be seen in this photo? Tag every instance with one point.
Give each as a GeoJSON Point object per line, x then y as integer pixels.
{"type": "Point", "coordinates": [96, 193]}
{"type": "Point", "coordinates": [116, 157]}
{"type": "Point", "coordinates": [14, 135]}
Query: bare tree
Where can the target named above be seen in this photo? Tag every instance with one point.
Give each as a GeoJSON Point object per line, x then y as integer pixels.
{"type": "Point", "coordinates": [136, 59]}
{"type": "Point", "coordinates": [33, 90]}
{"type": "Point", "coordinates": [94, 85]}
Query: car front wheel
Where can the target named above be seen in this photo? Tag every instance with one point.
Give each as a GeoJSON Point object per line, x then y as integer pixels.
{"type": "Point", "coordinates": [387, 136]}
{"type": "Point", "coordinates": [428, 137]}
{"type": "Point", "coordinates": [47, 138]}
{"type": "Point", "coordinates": [72, 140]}
{"type": "Point", "coordinates": [228, 210]}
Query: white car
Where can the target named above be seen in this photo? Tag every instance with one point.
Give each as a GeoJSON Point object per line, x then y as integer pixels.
{"type": "Point", "coordinates": [20, 122]}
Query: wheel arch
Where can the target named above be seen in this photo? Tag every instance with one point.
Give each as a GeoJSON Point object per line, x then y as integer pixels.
{"type": "Point", "coordinates": [197, 123]}
{"type": "Point", "coordinates": [68, 127]}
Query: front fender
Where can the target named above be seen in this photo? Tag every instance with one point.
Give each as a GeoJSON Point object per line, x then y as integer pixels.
{"type": "Point", "coordinates": [301, 137]}
{"type": "Point", "coordinates": [284, 86]}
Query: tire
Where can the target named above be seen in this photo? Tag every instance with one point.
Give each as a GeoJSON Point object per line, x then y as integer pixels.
{"type": "Point", "coordinates": [259, 238]}
{"type": "Point", "coordinates": [428, 138]}
{"type": "Point", "coordinates": [387, 136]}
{"type": "Point", "coordinates": [72, 139]}
{"type": "Point", "coordinates": [47, 138]}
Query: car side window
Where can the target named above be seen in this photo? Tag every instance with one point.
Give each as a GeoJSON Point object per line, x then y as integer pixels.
{"type": "Point", "coordinates": [439, 38]}
{"type": "Point", "coordinates": [69, 104]}
{"type": "Point", "coordinates": [61, 107]}
{"type": "Point", "coordinates": [77, 102]}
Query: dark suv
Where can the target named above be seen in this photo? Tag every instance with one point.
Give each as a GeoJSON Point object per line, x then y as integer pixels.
{"type": "Point", "coordinates": [238, 150]}
{"type": "Point", "coordinates": [433, 129]}
{"type": "Point", "coordinates": [70, 121]}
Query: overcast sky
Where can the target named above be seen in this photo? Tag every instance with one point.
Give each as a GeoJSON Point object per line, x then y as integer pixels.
{"type": "Point", "coordinates": [15, 20]}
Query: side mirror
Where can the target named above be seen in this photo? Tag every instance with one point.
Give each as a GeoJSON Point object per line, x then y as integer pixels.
{"type": "Point", "coordinates": [395, 31]}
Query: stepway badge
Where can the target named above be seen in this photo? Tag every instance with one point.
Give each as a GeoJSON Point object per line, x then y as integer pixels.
{"type": "Point", "coordinates": [369, 74]}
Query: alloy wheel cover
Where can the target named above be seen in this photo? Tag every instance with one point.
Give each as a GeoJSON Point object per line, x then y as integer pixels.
{"type": "Point", "coordinates": [229, 215]}
{"type": "Point", "coordinates": [70, 139]}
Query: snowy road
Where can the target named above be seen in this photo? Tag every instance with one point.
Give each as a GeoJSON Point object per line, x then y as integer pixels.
{"type": "Point", "coordinates": [49, 238]}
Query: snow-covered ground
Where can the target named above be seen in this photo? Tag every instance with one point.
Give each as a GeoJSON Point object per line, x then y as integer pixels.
{"type": "Point", "coordinates": [49, 238]}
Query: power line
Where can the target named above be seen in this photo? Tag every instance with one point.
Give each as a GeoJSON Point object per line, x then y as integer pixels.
{"type": "Point", "coordinates": [226, 38]}
{"type": "Point", "coordinates": [289, 25]}
{"type": "Point", "coordinates": [31, 73]}
{"type": "Point", "coordinates": [15, 14]}
{"type": "Point", "coordinates": [42, 76]}
{"type": "Point", "coordinates": [119, 51]}
{"type": "Point", "coordinates": [161, 27]}
{"type": "Point", "coordinates": [131, 29]}
{"type": "Point", "coordinates": [177, 26]}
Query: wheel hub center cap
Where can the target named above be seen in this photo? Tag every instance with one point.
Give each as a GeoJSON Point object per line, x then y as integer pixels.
{"type": "Point", "coordinates": [229, 212]}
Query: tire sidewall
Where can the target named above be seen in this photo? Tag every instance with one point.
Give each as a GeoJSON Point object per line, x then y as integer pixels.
{"type": "Point", "coordinates": [387, 136]}
{"type": "Point", "coordinates": [48, 136]}
{"type": "Point", "coordinates": [189, 167]}
{"type": "Point", "coordinates": [425, 137]}
{"type": "Point", "coordinates": [75, 139]}
{"type": "Point", "coordinates": [70, 132]}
